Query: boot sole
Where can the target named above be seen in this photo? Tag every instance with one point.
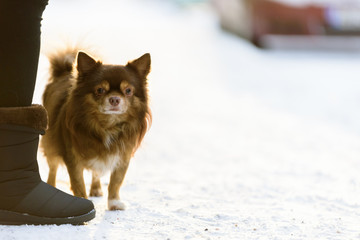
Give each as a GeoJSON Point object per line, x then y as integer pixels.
{"type": "Point", "coordinates": [14, 218]}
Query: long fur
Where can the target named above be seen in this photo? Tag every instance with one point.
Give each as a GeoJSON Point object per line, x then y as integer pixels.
{"type": "Point", "coordinates": [84, 136]}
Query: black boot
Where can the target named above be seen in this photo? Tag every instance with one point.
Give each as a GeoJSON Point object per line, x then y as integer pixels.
{"type": "Point", "coordinates": [24, 198]}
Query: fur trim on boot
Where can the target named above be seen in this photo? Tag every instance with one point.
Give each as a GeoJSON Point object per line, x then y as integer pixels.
{"type": "Point", "coordinates": [34, 116]}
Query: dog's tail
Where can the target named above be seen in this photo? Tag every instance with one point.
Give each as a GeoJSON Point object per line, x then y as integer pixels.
{"type": "Point", "coordinates": [62, 63]}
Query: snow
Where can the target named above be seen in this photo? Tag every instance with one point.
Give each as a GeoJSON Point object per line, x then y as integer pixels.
{"type": "Point", "coordinates": [245, 143]}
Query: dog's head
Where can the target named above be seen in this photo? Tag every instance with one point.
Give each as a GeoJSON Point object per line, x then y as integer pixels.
{"type": "Point", "coordinates": [112, 89]}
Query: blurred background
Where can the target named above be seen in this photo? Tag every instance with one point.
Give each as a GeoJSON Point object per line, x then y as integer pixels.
{"type": "Point", "coordinates": [315, 24]}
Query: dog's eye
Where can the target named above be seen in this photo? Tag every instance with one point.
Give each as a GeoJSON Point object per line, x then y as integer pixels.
{"type": "Point", "coordinates": [128, 92]}
{"type": "Point", "coordinates": [100, 91]}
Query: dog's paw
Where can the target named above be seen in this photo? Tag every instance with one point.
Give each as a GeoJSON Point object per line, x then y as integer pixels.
{"type": "Point", "coordinates": [96, 192]}
{"type": "Point", "coordinates": [116, 204]}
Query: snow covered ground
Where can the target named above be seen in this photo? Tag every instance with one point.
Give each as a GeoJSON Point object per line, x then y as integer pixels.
{"type": "Point", "coordinates": [245, 144]}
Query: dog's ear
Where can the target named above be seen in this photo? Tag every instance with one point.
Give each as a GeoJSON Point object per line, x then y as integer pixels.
{"type": "Point", "coordinates": [142, 65]}
{"type": "Point", "coordinates": [85, 62]}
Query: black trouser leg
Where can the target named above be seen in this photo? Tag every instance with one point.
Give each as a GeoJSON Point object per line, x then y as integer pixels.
{"type": "Point", "coordinates": [20, 22]}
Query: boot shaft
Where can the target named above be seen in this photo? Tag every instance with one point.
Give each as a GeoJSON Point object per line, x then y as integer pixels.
{"type": "Point", "coordinates": [19, 136]}
{"type": "Point", "coordinates": [19, 139]}
{"type": "Point", "coordinates": [18, 149]}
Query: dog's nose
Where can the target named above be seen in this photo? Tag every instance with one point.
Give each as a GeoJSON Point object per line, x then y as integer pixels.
{"type": "Point", "coordinates": [114, 101]}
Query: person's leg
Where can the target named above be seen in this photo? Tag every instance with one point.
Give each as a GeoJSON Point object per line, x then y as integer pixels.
{"type": "Point", "coordinates": [19, 50]}
{"type": "Point", "coordinates": [24, 198]}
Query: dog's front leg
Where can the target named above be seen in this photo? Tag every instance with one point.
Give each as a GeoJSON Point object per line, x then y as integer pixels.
{"type": "Point", "coordinates": [76, 177]}
{"type": "Point", "coordinates": [116, 179]}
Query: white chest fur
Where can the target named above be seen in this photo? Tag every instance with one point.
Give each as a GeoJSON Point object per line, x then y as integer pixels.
{"type": "Point", "coordinates": [101, 166]}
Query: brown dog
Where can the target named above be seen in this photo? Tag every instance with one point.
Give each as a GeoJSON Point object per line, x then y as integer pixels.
{"type": "Point", "coordinates": [98, 116]}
